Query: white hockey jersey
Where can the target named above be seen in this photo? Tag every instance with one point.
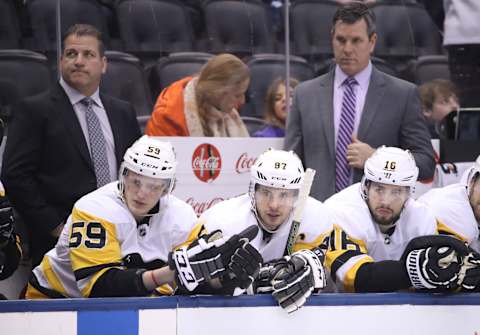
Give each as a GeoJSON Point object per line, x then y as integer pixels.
{"type": "Point", "coordinates": [234, 215]}
{"type": "Point", "coordinates": [101, 233]}
{"type": "Point", "coordinates": [451, 206]}
{"type": "Point", "coordinates": [356, 239]}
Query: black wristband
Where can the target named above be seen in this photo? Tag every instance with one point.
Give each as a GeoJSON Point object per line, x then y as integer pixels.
{"type": "Point", "coordinates": [384, 276]}
{"type": "Point", "coordinates": [120, 283]}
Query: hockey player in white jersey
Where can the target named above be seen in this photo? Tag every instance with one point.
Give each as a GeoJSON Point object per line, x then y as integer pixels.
{"type": "Point", "coordinates": [370, 247]}
{"type": "Point", "coordinates": [276, 178]}
{"type": "Point", "coordinates": [457, 208]}
{"type": "Point", "coordinates": [118, 241]}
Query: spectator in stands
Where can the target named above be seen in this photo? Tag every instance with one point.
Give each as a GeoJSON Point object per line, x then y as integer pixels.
{"type": "Point", "coordinates": [276, 109]}
{"type": "Point", "coordinates": [439, 97]}
{"type": "Point", "coordinates": [66, 142]}
{"type": "Point", "coordinates": [204, 105]}
{"type": "Point", "coordinates": [338, 119]}
{"type": "Point", "coordinates": [462, 40]}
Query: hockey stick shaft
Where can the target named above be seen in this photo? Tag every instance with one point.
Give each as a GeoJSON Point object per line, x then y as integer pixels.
{"type": "Point", "coordinates": [298, 212]}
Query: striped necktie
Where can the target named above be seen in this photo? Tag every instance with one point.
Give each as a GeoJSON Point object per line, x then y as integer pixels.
{"type": "Point", "coordinates": [98, 145]}
{"type": "Point", "coordinates": [345, 131]}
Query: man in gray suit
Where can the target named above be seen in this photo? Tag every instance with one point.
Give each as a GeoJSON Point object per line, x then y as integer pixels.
{"type": "Point", "coordinates": [338, 119]}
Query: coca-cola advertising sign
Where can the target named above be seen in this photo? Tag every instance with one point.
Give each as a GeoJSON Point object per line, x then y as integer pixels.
{"type": "Point", "coordinates": [201, 206]}
{"type": "Point", "coordinates": [206, 162]}
{"type": "Point", "coordinates": [244, 163]}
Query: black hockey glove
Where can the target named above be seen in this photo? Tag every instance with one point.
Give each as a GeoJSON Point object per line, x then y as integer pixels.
{"type": "Point", "coordinates": [207, 257]}
{"type": "Point", "coordinates": [244, 266]}
{"type": "Point", "coordinates": [263, 282]}
{"type": "Point", "coordinates": [470, 272]}
{"type": "Point", "coordinates": [297, 278]}
{"type": "Point", "coordinates": [434, 262]}
{"type": "Point", "coordinates": [6, 221]}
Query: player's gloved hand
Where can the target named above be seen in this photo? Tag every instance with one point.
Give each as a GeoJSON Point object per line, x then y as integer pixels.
{"type": "Point", "coordinates": [295, 282]}
{"type": "Point", "coordinates": [470, 272]}
{"type": "Point", "coordinates": [434, 262]}
{"type": "Point", "coordinates": [6, 221]}
{"type": "Point", "coordinates": [263, 282]}
{"type": "Point", "coordinates": [207, 257]}
{"type": "Point", "coordinates": [245, 265]}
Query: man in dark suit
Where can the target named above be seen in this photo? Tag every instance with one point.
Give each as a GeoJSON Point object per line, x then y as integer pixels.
{"type": "Point", "coordinates": [338, 119]}
{"type": "Point", "coordinates": [55, 153]}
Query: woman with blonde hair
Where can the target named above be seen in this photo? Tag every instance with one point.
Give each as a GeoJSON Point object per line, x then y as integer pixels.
{"type": "Point", "coordinates": [276, 109]}
{"type": "Point", "coordinates": [204, 105]}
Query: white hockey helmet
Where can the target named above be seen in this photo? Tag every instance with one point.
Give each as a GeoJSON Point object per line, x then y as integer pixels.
{"type": "Point", "coordinates": [279, 169]}
{"type": "Point", "coordinates": [472, 174]}
{"type": "Point", "coordinates": [275, 168]}
{"type": "Point", "coordinates": [149, 157]}
{"type": "Point", "coordinates": [390, 165]}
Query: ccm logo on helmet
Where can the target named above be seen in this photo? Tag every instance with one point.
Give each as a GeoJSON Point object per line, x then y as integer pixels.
{"type": "Point", "coordinates": [149, 165]}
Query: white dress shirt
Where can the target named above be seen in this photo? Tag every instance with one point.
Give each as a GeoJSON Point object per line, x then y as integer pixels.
{"type": "Point", "coordinates": [75, 97]}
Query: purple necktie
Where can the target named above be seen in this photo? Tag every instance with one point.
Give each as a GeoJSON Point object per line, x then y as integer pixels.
{"type": "Point", "coordinates": [345, 131]}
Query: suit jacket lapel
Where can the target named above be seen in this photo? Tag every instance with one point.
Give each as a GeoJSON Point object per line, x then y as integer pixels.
{"type": "Point", "coordinates": [61, 103]}
{"type": "Point", "coordinates": [325, 102]}
{"type": "Point", "coordinates": [115, 122]}
{"type": "Point", "coordinates": [376, 89]}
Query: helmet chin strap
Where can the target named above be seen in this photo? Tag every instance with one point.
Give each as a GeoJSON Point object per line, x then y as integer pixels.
{"type": "Point", "coordinates": [385, 228]}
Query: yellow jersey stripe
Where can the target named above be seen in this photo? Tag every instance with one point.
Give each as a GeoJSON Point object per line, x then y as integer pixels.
{"type": "Point", "coordinates": [349, 280]}
{"type": "Point", "coordinates": [197, 230]}
{"type": "Point", "coordinates": [51, 276]}
{"type": "Point", "coordinates": [446, 230]}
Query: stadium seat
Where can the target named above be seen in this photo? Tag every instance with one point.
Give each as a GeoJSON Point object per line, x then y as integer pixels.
{"type": "Point", "coordinates": [43, 14]}
{"type": "Point", "coordinates": [427, 68]}
{"type": "Point", "coordinates": [253, 124]}
{"type": "Point", "coordinates": [264, 68]}
{"type": "Point", "coordinates": [311, 22]}
{"type": "Point", "coordinates": [150, 28]}
{"type": "Point", "coordinates": [384, 66]}
{"type": "Point", "coordinates": [24, 73]}
{"type": "Point", "coordinates": [174, 67]}
{"type": "Point", "coordinates": [125, 80]}
{"type": "Point", "coordinates": [142, 122]}
{"type": "Point", "coordinates": [237, 26]}
{"type": "Point", "coordinates": [10, 34]}
{"type": "Point", "coordinates": [405, 31]}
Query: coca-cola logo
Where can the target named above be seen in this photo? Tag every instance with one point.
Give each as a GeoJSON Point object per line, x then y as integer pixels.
{"type": "Point", "coordinates": [244, 163]}
{"type": "Point", "coordinates": [206, 162]}
{"type": "Point", "coordinates": [201, 206]}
